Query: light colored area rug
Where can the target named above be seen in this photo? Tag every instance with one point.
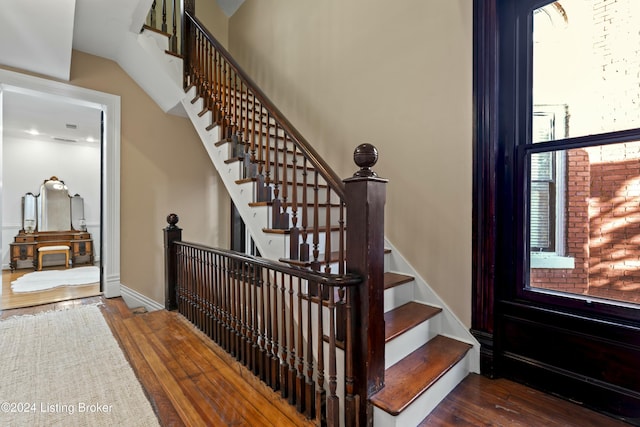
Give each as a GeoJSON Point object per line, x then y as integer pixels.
{"type": "Point", "coordinates": [65, 368]}
{"type": "Point", "coordinates": [48, 279]}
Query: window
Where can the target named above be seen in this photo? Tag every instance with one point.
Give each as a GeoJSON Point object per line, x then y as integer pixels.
{"type": "Point", "coordinates": [547, 236]}
{"type": "Point", "coordinates": [569, 330]}
{"type": "Point", "coordinates": [579, 154]}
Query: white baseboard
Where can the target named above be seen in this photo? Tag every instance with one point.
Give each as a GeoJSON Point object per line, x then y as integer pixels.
{"type": "Point", "coordinates": [135, 299]}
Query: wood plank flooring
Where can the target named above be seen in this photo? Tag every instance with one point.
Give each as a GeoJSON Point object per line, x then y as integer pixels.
{"type": "Point", "coordinates": [190, 382]}
{"type": "Point", "coordinates": [10, 299]}
{"type": "Point", "coordinates": [479, 401]}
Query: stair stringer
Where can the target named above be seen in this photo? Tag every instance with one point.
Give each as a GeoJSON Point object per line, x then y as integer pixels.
{"type": "Point", "coordinates": [449, 324]}
{"type": "Point", "coordinates": [271, 246]}
{"type": "Point", "coordinates": [142, 58]}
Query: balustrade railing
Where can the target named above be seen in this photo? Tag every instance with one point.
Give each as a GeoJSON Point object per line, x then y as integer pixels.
{"type": "Point", "coordinates": [169, 21]}
{"type": "Point", "coordinates": [268, 316]}
{"type": "Point", "coordinates": [306, 196]}
{"type": "Point", "coordinates": [285, 321]}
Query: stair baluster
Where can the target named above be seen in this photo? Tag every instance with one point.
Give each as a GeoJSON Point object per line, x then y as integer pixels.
{"type": "Point", "coordinates": [228, 104]}
{"type": "Point", "coordinates": [243, 307]}
{"type": "Point", "coordinates": [285, 389]}
{"type": "Point", "coordinates": [316, 224]}
{"type": "Point", "coordinates": [152, 15]}
{"type": "Point", "coordinates": [267, 162]}
{"type": "Point", "coordinates": [164, 16]}
{"type": "Point", "coordinates": [291, 373]}
{"type": "Point", "coordinates": [300, 362]}
{"type": "Point", "coordinates": [333, 403]}
{"type": "Point", "coordinates": [174, 33]}
{"type": "Point", "coordinates": [321, 394]}
{"type": "Point", "coordinates": [276, 204]}
{"type": "Point", "coordinates": [219, 83]}
{"type": "Point", "coordinates": [304, 245]}
{"type": "Point", "coordinates": [309, 386]}
{"type": "Point", "coordinates": [294, 231]}
{"type": "Point", "coordinates": [278, 346]}
{"type": "Point", "coordinates": [284, 216]}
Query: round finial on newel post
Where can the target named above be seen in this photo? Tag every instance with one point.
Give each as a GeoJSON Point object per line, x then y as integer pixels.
{"type": "Point", "coordinates": [365, 156]}
{"type": "Point", "coordinates": [172, 220]}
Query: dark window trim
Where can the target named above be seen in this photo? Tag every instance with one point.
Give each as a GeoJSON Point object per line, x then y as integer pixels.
{"type": "Point", "coordinates": [496, 181]}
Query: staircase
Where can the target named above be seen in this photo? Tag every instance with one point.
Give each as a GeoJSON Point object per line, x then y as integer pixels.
{"type": "Point", "coordinates": [428, 351]}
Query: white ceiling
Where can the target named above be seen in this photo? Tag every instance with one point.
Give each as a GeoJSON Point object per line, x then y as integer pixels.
{"type": "Point", "coordinates": [55, 119]}
{"type": "Point", "coordinates": [229, 7]}
{"type": "Point", "coordinates": [39, 35]}
{"type": "Point", "coordinates": [36, 35]}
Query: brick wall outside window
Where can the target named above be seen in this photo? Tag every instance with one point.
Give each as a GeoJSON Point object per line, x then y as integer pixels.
{"type": "Point", "coordinates": [603, 183]}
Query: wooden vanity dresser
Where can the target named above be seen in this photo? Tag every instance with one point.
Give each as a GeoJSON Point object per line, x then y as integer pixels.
{"type": "Point", "coordinates": [24, 249]}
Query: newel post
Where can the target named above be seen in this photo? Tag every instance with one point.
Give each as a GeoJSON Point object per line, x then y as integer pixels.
{"type": "Point", "coordinates": [366, 195]}
{"type": "Point", "coordinates": [172, 233]}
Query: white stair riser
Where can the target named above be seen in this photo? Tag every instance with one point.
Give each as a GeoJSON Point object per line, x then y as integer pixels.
{"type": "Point", "coordinates": [398, 295]}
{"type": "Point", "coordinates": [161, 40]}
{"type": "Point", "coordinates": [399, 347]}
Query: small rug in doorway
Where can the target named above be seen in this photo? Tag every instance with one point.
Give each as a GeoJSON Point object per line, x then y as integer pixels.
{"type": "Point", "coordinates": [65, 368]}
{"type": "Point", "coordinates": [48, 279]}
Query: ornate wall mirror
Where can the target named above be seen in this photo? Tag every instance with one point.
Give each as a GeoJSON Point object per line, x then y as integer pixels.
{"type": "Point", "coordinates": [55, 207]}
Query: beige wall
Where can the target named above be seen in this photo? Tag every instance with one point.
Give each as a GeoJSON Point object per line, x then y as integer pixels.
{"type": "Point", "coordinates": [212, 17]}
{"type": "Point", "coordinates": [164, 168]}
{"type": "Point", "coordinates": [398, 75]}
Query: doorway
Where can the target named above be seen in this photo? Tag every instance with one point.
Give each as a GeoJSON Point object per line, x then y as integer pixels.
{"type": "Point", "coordinates": [107, 204]}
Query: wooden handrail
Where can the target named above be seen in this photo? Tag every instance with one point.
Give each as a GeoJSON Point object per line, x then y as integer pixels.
{"type": "Point", "coordinates": [332, 178]}
{"type": "Point", "coordinates": [328, 279]}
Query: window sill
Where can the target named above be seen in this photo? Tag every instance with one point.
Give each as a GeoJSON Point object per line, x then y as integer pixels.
{"type": "Point", "coordinates": [551, 260]}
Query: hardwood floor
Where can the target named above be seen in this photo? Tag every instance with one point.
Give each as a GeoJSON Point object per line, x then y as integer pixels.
{"type": "Point", "coordinates": [191, 382]}
{"type": "Point", "coordinates": [10, 299]}
{"type": "Point", "coordinates": [479, 401]}
{"type": "Point", "coordinates": [187, 378]}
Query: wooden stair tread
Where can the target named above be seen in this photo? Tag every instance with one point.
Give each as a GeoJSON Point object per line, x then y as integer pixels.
{"type": "Point", "coordinates": [299, 167]}
{"type": "Point", "coordinates": [177, 55]}
{"type": "Point", "coordinates": [271, 181]}
{"type": "Point", "coordinates": [156, 30]}
{"type": "Point", "coordinates": [335, 257]}
{"type": "Point", "coordinates": [290, 204]}
{"type": "Point", "coordinates": [396, 279]}
{"type": "Point", "coordinates": [288, 230]}
{"type": "Point", "coordinates": [406, 317]}
{"type": "Point", "coordinates": [412, 376]}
